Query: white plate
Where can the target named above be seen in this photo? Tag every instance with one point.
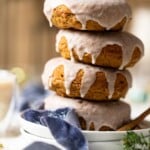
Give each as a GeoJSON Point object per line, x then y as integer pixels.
{"type": "Point", "coordinates": [32, 138]}
{"type": "Point", "coordinates": [104, 145]}
{"type": "Point", "coordinates": [91, 136]}
{"type": "Point", "coordinates": [114, 145]}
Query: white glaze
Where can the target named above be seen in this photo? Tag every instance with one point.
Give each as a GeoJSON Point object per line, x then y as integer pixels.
{"type": "Point", "coordinates": [72, 68]}
{"type": "Point", "coordinates": [111, 114]}
{"type": "Point", "coordinates": [93, 43]}
{"type": "Point", "coordinates": [107, 13]}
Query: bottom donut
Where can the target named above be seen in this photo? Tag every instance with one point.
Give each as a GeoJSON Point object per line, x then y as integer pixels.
{"type": "Point", "coordinates": [102, 116]}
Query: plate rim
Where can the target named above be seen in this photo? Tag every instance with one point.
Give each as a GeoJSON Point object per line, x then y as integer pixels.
{"type": "Point", "coordinates": [43, 132]}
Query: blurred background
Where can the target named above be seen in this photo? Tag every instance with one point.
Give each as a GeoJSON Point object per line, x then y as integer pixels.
{"type": "Point", "coordinates": [26, 40]}
{"type": "Point", "coordinates": [25, 37]}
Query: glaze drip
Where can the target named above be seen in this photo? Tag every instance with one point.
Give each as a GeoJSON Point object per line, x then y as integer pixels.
{"type": "Point", "coordinates": [113, 114]}
{"type": "Point", "coordinates": [72, 68]}
{"type": "Point", "coordinates": [93, 43]}
{"type": "Point", "coordinates": [96, 10]}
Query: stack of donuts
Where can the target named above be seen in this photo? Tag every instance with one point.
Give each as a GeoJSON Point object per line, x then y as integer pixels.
{"type": "Point", "coordinates": [91, 76]}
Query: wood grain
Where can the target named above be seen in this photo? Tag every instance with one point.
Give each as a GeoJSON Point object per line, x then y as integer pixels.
{"type": "Point", "coordinates": [26, 40]}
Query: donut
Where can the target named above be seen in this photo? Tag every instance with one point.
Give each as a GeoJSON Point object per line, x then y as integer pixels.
{"type": "Point", "coordinates": [106, 49]}
{"type": "Point", "coordinates": [78, 80]}
{"type": "Point", "coordinates": [93, 115]}
{"type": "Point", "coordinates": [98, 15]}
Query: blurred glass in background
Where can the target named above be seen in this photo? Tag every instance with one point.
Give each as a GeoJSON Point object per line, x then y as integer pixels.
{"type": "Point", "coordinates": [8, 97]}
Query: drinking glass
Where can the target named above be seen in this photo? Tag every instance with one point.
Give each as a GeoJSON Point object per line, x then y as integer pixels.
{"type": "Point", "coordinates": [7, 99]}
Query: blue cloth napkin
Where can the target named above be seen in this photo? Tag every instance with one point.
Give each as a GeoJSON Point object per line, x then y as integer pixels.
{"type": "Point", "coordinates": [65, 134]}
{"type": "Point", "coordinates": [63, 124]}
{"type": "Point", "coordinates": [40, 146]}
{"type": "Point", "coordinates": [31, 95]}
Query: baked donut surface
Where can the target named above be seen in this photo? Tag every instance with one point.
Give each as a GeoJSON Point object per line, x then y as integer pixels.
{"type": "Point", "coordinates": [87, 14]}
{"type": "Point", "coordinates": [78, 80]}
{"type": "Point", "coordinates": [106, 49]}
{"type": "Point", "coordinates": [93, 115]}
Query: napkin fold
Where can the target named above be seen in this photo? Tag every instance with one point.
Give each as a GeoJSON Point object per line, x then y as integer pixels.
{"type": "Point", "coordinates": [67, 114]}
{"type": "Point", "coordinates": [63, 124]}
{"type": "Point", "coordinates": [40, 146]}
{"type": "Point", "coordinates": [67, 135]}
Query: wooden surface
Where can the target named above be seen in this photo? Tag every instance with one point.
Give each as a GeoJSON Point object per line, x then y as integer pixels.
{"type": "Point", "coordinates": [25, 37]}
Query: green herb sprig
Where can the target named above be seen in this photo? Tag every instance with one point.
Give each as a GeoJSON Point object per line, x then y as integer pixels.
{"type": "Point", "coordinates": [133, 141]}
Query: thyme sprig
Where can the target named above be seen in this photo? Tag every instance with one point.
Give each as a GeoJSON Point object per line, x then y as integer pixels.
{"type": "Point", "coordinates": [133, 141]}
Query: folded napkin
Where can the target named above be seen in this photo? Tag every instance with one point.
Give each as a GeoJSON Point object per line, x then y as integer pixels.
{"type": "Point", "coordinates": [40, 146]}
{"type": "Point", "coordinates": [31, 95]}
{"type": "Point", "coordinates": [63, 125]}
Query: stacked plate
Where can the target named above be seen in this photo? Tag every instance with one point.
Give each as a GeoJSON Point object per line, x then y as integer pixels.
{"type": "Point", "coordinates": [97, 139]}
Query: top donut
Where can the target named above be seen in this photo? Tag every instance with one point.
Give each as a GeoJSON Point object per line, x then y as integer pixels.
{"type": "Point", "coordinates": [98, 15]}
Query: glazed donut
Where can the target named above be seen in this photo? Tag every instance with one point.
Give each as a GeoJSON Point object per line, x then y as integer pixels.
{"type": "Point", "coordinates": [84, 81]}
{"type": "Point", "coordinates": [88, 14]}
{"type": "Point", "coordinates": [106, 49]}
{"type": "Point", "coordinates": [93, 115]}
